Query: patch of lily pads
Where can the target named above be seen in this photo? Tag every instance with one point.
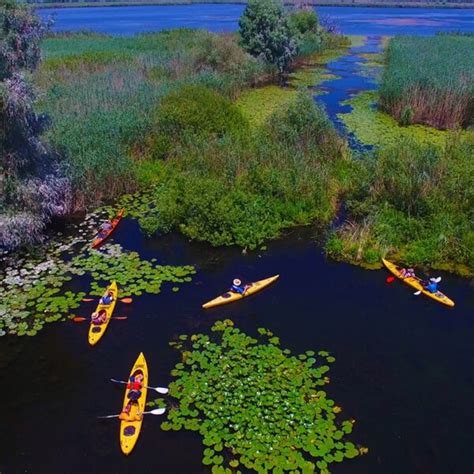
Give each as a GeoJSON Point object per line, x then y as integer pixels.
{"type": "Point", "coordinates": [257, 406]}
{"type": "Point", "coordinates": [34, 290]}
{"type": "Point", "coordinates": [133, 275]}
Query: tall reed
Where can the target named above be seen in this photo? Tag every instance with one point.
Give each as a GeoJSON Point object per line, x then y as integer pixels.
{"type": "Point", "coordinates": [430, 80]}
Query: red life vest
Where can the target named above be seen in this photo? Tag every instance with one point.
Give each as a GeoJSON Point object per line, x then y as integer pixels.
{"type": "Point", "coordinates": [134, 385]}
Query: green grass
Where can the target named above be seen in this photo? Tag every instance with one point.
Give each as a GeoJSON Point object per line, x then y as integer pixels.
{"type": "Point", "coordinates": [430, 80]}
{"type": "Point", "coordinates": [101, 92]}
{"type": "Point", "coordinates": [414, 202]}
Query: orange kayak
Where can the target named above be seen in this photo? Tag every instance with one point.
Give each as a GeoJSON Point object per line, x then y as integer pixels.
{"type": "Point", "coordinates": [115, 222]}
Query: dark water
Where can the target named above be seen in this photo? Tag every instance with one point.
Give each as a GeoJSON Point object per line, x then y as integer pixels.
{"type": "Point", "coordinates": [403, 368]}
{"type": "Point", "coordinates": [354, 21]}
{"type": "Point", "coordinates": [404, 363]}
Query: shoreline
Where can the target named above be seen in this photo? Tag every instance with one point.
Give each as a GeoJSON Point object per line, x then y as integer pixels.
{"type": "Point", "coordinates": [321, 3]}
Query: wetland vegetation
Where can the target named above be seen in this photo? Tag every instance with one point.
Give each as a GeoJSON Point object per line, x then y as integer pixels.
{"type": "Point", "coordinates": [256, 405]}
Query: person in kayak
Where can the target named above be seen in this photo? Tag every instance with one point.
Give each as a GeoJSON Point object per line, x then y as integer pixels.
{"type": "Point", "coordinates": [432, 285]}
{"type": "Point", "coordinates": [104, 229]}
{"type": "Point", "coordinates": [407, 273]}
{"type": "Point", "coordinates": [237, 287]}
{"type": "Point", "coordinates": [134, 385]}
{"type": "Point", "coordinates": [107, 298]}
{"type": "Point", "coordinates": [99, 317]}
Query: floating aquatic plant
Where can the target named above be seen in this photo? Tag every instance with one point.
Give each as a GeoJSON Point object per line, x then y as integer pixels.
{"type": "Point", "coordinates": [33, 291]}
{"type": "Point", "coordinates": [257, 406]}
{"type": "Point", "coordinates": [133, 275]}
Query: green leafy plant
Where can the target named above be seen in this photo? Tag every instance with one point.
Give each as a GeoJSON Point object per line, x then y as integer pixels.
{"type": "Point", "coordinates": [255, 405]}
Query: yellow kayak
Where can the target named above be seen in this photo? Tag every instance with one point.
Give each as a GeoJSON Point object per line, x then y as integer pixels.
{"type": "Point", "coordinates": [416, 283]}
{"type": "Point", "coordinates": [230, 296]}
{"type": "Point", "coordinates": [96, 331]}
{"type": "Point", "coordinates": [130, 428]}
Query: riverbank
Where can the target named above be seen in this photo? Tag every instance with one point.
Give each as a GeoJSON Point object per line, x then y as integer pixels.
{"type": "Point", "coordinates": [333, 3]}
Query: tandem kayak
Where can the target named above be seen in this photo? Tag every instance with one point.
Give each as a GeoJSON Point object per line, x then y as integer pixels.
{"type": "Point", "coordinates": [230, 296]}
{"type": "Point", "coordinates": [115, 222]}
{"type": "Point", "coordinates": [96, 331]}
{"type": "Point", "coordinates": [130, 428]}
{"type": "Point", "coordinates": [417, 283]}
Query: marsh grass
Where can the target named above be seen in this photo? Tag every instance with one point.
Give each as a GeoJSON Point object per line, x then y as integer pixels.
{"type": "Point", "coordinates": [414, 201]}
{"type": "Point", "coordinates": [430, 80]}
{"type": "Point", "coordinates": [101, 92]}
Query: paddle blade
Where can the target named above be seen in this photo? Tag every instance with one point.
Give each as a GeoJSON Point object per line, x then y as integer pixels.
{"type": "Point", "coordinates": [79, 319]}
{"type": "Point", "coordinates": [87, 300]}
{"type": "Point", "coordinates": [119, 317]}
{"type": "Point", "coordinates": [126, 300]}
{"type": "Point", "coordinates": [390, 279]}
{"type": "Point", "coordinates": [162, 390]}
{"type": "Point", "coordinates": [108, 416]}
{"type": "Point", "coordinates": [156, 411]}
{"type": "Point", "coordinates": [417, 293]}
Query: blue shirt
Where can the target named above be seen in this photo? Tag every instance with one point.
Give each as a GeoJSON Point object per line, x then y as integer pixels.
{"type": "Point", "coordinates": [432, 287]}
{"type": "Point", "coordinates": [237, 289]}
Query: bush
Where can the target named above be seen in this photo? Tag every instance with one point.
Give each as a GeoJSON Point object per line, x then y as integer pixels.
{"type": "Point", "coordinates": [265, 33]}
{"type": "Point", "coordinates": [304, 21]}
{"type": "Point", "coordinates": [228, 184]}
{"type": "Point", "coordinates": [192, 111]}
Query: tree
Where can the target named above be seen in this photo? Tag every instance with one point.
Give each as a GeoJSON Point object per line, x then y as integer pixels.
{"type": "Point", "coordinates": [266, 34]}
{"type": "Point", "coordinates": [32, 186]}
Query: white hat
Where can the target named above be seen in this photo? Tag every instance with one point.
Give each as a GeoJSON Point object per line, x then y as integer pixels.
{"type": "Point", "coordinates": [435, 280]}
{"type": "Point", "coordinates": [237, 282]}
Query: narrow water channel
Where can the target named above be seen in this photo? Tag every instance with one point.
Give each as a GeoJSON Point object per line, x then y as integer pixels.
{"type": "Point", "coordinates": [351, 79]}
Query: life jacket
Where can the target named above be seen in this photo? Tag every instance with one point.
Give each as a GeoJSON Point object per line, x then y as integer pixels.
{"type": "Point", "coordinates": [237, 289]}
{"type": "Point", "coordinates": [134, 385]}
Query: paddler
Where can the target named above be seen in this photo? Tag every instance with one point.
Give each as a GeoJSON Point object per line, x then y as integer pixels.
{"type": "Point", "coordinates": [432, 285]}
{"type": "Point", "coordinates": [134, 385]}
{"type": "Point", "coordinates": [237, 287]}
{"type": "Point", "coordinates": [99, 317]}
{"type": "Point", "coordinates": [407, 273]}
{"type": "Point", "coordinates": [107, 298]}
{"type": "Point", "coordinates": [104, 229]}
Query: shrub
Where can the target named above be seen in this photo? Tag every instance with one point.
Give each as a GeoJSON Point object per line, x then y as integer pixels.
{"type": "Point", "coordinates": [191, 111]}
{"type": "Point", "coordinates": [304, 21]}
{"type": "Point", "coordinates": [266, 33]}
{"type": "Point", "coordinates": [32, 186]}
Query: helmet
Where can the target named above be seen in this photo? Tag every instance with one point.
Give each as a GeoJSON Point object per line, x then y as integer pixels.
{"type": "Point", "coordinates": [237, 282]}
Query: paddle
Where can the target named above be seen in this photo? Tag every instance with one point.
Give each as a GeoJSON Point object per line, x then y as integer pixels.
{"type": "Point", "coordinates": [81, 319]}
{"type": "Point", "coordinates": [122, 300]}
{"type": "Point", "coordinates": [156, 411]}
{"type": "Point", "coordinates": [162, 390]}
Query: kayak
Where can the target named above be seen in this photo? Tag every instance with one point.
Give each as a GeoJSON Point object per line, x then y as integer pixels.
{"type": "Point", "coordinates": [96, 331]}
{"type": "Point", "coordinates": [130, 429]}
{"type": "Point", "coordinates": [115, 222]}
{"type": "Point", "coordinates": [230, 296]}
{"type": "Point", "coordinates": [417, 283]}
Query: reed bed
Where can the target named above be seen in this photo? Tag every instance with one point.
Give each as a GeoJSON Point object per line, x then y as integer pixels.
{"type": "Point", "coordinates": [100, 93]}
{"type": "Point", "coordinates": [430, 80]}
